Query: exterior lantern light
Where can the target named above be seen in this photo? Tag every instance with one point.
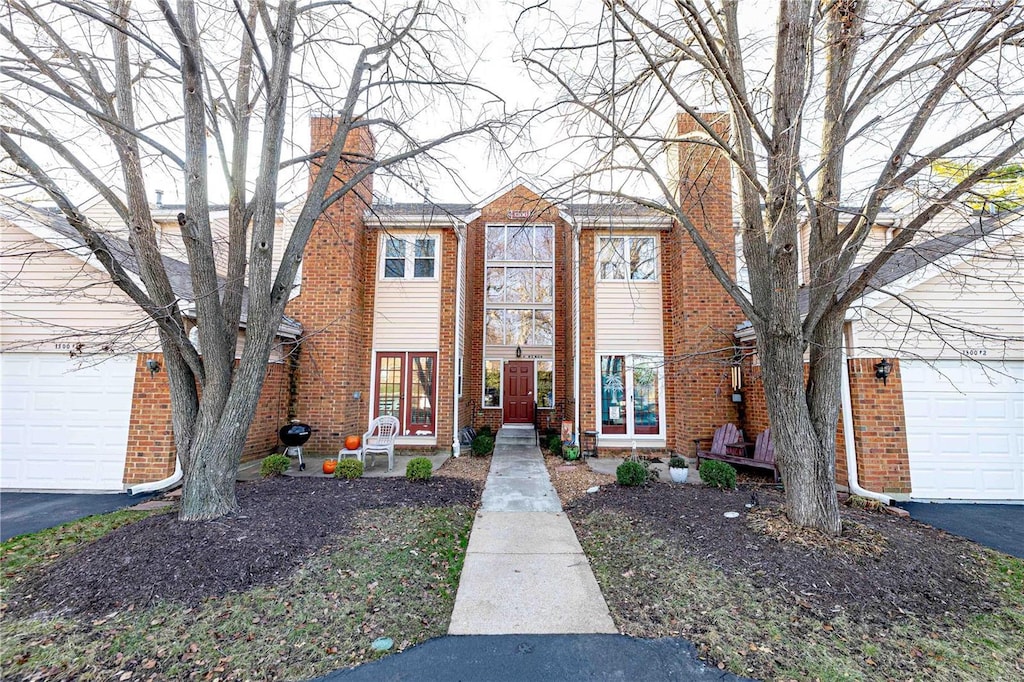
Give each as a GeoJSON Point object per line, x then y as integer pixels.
{"type": "Point", "coordinates": [519, 351]}
{"type": "Point", "coordinates": [882, 371]}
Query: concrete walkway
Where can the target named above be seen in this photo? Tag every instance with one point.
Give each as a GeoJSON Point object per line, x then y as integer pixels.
{"type": "Point", "coordinates": [525, 572]}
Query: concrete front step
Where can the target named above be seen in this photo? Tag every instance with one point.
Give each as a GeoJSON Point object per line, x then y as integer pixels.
{"type": "Point", "coordinates": [516, 436]}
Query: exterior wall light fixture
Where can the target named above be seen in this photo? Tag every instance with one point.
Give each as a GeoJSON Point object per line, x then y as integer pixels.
{"type": "Point", "coordinates": [882, 371]}
{"type": "Point", "coordinates": [153, 366]}
{"type": "Point", "coordinates": [519, 351]}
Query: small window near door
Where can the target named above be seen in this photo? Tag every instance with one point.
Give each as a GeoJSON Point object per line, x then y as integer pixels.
{"type": "Point", "coordinates": [492, 383]}
{"type": "Point", "coordinates": [545, 384]}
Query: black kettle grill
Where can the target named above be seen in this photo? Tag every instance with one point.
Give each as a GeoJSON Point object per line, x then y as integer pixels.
{"type": "Point", "coordinates": [294, 435]}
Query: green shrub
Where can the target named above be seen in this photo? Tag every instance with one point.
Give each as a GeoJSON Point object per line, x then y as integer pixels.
{"type": "Point", "coordinates": [418, 469]}
{"type": "Point", "coordinates": [718, 474]}
{"type": "Point", "coordinates": [349, 469]}
{"type": "Point", "coordinates": [483, 445]}
{"type": "Point", "coordinates": [631, 473]}
{"type": "Point", "coordinates": [484, 431]}
{"type": "Point", "coordinates": [555, 445]}
{"type": "Point", "coordinates": [677, 462]}
{"type": "Point", "coordinates": [274, 465]}
{"type": "Point", "coordinates": [571, 452]}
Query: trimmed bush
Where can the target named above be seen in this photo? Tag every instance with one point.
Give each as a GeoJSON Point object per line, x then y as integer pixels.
{"type": "Point", "coordinates": [483, 445]}
{"type": "Point", "coordinates": [631, 473]}
{"type": "Point", "coordinates": [555, 445]}
{"type": "Point", "coordinates": [677, 462]}
{"type": "Point", "coordinates": [419, 469]}
{"type": "Point", "coordinates": [274, 465]}
{"type": "Point", "coordinates": [484, 431]}
{"type": "Point", "coordinates": [349, 469]}
{"type": "Point", "coordinates": [718, 474]}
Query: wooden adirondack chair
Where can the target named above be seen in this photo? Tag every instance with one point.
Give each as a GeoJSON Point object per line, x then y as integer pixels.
{"type": "Point", "coordinates": [763, 458]}
{"type": "Point", "coordinates": [725, 435]}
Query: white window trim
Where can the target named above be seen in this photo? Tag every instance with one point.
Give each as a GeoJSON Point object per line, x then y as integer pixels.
{"type": "Point", "coordinates": [410, 257]}
{"type": "Point", "coordinates": [627, 238]}
{"type": "Point", "coordinates": [501, 385]}
{"type": "Point", "coordinates": [628, 390]}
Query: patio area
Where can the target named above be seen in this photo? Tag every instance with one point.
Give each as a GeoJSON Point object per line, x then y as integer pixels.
{"type": "Point", "coordinates": [250, 471]}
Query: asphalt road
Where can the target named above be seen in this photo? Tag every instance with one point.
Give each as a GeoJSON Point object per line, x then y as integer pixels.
{"type": "Point", "coordinates": [999, 526]}
{"type": "Point", "coordinates": [22, 513]}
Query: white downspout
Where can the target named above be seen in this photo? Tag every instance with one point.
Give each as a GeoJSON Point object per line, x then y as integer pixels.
{"type": "Point", "coordinates": [162, 484]}
{"type": "Point", "coordinates": [456, 446]}
{"type": "Point", "coordinates": [576, 329]}
{"type": "Point", "coordinates": [849, 438]}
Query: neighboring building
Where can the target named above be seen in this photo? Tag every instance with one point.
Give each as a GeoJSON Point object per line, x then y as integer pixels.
{"type": "Point", "coordinates": [518, 310]}
{"type": "Point", "coordinates": [82, 409]}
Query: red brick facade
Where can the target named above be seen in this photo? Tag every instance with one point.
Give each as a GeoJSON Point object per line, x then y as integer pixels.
{"type": "Point", "coordinates": [150, 454]}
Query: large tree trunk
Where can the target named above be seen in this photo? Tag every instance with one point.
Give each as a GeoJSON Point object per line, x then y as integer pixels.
{"type": "Point", "coordinates": [804, 449]}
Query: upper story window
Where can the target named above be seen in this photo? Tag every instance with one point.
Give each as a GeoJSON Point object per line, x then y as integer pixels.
{"type": "Point", "coordinates": [410, 258]}
{"type": "Point", "coordinates": [627, 258]}
{"type": "Point", "coordinates": [523, 243]}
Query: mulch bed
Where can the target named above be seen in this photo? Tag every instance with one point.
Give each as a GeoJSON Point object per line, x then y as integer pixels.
{"type": "Point", "coordinates": [882, 567]}
{"type": "Point", "coordinates": [282, 521]}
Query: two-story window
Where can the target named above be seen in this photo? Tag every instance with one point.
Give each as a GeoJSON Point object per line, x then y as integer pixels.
{"type": "Point", "coordinates": [414, 258]}
{"type": "Point", "coordinates": [627, 258]}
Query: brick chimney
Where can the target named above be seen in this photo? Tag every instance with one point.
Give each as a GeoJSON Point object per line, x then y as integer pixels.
{"type": "Point", "coordinates": [699, 315]}
{"type": "Point", "coordinates": [335, 303]}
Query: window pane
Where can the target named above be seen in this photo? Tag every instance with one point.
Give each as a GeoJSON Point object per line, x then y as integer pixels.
{"type": "Point", "coordinates": [545, 243]}
{"type": "Point", "coordinates": [545, 384]}
{"type": "Point", "coordinates": [542, 335]}
{"type": "Point", "coordinates": [518, 327]}
{"type": "Point", "coordinates": [394, 248]}
{"type": "Point", "coordinates": [423, 267]}
{"type": "Point", "coordinates": [492, 383]}
{"type": "Point", "coordinates": [642, 258]}
{"type": "Point", "coordinates": [544, 291]}
{"type": "Point", "coordinates": [612, 262]}
{"type": "Point", "coordinates": [424, 248]}
{"type": "Point", "coordinates": [394, 267]}
{"type": "Point", "coordinates": [613, 394]}
{"type": "Point", "coordinates": [421, 398]}
{"type": "Point", "coordinates": [645, 397]}
{"type": "Point", "coordinates": [494, 330]}
{"type": "Point", "coordinates": [389, 387]}
{"type": "Point", "coordinates": [520, 243]}
{"type": "Point", "coordinates": [519, 285]}
{"type": "Point", "coordinates": [496, 242]}
{"type": "Point", "coordinates": [495, 284]}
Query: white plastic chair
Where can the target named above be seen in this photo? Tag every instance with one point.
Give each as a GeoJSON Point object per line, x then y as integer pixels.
{"type": "Point", "coordinates": [386, 428]}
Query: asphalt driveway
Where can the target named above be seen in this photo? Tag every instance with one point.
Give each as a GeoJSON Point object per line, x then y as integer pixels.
{"type": "Point", "coordinates": [22, 513]}
{"type": "Point", "coordinates": [999, 526]}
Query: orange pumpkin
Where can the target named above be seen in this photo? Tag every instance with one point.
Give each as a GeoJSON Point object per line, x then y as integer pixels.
{"type": "Point", "coordinates": [329, 466]}
{"type": "Point", "coordinates": [352, 442]}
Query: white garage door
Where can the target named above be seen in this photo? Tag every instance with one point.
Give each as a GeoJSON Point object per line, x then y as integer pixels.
{"type": "Point", "coordinates": [64, 427]}
{"type": "Point", "coordinates": [965, 429]}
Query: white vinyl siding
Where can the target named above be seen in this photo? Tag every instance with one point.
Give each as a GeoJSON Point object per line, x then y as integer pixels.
{"type": "Point", "coordinates": [983, 297]}
{"type": "Point", "coordinates": [628, 316]}
{"type": "Point", "coordinates": [406, 309]}
{"type": "Point", "coordinates": [52, 301]}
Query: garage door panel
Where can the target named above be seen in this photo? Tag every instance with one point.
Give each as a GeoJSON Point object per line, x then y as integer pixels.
{"type": "Point", "coordinates": [965, 438]}
{"type": "Point", "coordinates": [64, 427]}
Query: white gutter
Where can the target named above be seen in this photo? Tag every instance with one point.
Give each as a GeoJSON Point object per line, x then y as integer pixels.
{"type": "Point", "coordinates": [849, 438]}
{"type": "Point", "coordinates": [162, 484]}
{"type": "Point", "coordinates": [459, 265]}
{"type": "Point", "coordinates": [576, 330]}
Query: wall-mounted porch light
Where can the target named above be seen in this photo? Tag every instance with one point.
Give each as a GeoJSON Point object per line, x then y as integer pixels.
{"type": "Point", "coordinates": [882, 371]}
{"type": "Point", "coordinates": [519, 351]}
{"type": "Point", "coordinates": [153, 366]}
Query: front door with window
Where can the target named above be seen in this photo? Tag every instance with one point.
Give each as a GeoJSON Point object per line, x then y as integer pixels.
{"type": "Point", "coordinates": [519, 396]}
{"type": "Point", "coordinates": [405, 389]}
{"type": "Point", "coordinates": [630, 396]}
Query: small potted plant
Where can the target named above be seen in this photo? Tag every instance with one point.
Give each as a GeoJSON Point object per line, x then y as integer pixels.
{"type": "Point", "coordinates": [678, 469]}
{"type": "Point", "coordinates": [571, 452]}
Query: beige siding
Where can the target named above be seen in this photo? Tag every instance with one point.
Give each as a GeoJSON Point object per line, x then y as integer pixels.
{"type": "Point", "coordinates": [52, 301]}
{"type": "Point", "coordinates": [628, 317]}
{"type": "Point", "coordinates": [407, 312]}
{"type": "Point", "coordinates": [976, 309]}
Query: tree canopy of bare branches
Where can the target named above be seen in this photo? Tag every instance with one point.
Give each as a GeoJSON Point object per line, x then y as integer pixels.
{"type": "Point", "coordinates": [836, 110]}
{"type": "Point", "coordinates": [110, 99]}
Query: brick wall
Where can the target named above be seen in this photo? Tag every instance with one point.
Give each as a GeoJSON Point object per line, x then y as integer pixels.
{"type": "Point", "coordinates": [699, 315]}
{"type": "Point", "coordinates": [879, 425]}
{"type": "Point", "coordinates": [519, 198]}
{"type": "Point", "coordinates": [589, 409]}
{"type": "Point", "coordinates": [444, 405]}
{"type": "Point", "coordinates": [334, 361]}
{"type": "Point", "coordinates": [150, 453]}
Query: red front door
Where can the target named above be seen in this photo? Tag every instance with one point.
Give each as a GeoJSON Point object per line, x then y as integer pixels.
{"type": "Point", "coordinates": [519, 392]}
